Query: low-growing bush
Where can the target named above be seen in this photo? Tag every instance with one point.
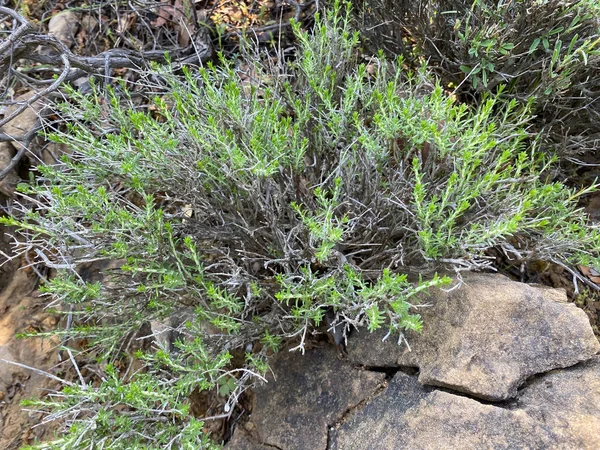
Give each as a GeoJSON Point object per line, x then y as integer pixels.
{"type": "Point", "coordinates": [250, 199]}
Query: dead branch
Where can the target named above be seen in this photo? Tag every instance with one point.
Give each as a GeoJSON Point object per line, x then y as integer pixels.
{"type": "Point", "coordinates": [24, 46]}
{"type": "Point", "coordinates": [14, 37]}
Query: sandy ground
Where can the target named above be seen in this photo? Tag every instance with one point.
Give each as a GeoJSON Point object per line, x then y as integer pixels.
{"type": "Point", "coordinates": [22, 310]}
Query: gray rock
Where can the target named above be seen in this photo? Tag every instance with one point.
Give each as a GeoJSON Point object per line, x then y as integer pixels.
{"type": "Point", "coordinates": [9, 183]}
{"type": "Point", "coordinates": [556, 410]}
{"type": "Point", "coordinates": [64, 26]}
{"type": "Point", "coordinates": [490, 335]}
{"type": "Point", "coordinates": [567, 401]}
{"type": "Point", "coordinates": [244, 440]}
{"type": "Point", "coordinates": [409, 415]}
{"type": "Point", "coordinates": [487, 337]}
{"type": "Point", "coordinates": [371, 350]}
{"type": "Point", "coordinates": [559, 410]}
{"type": "Point", "coordinates": [52, 153]}
{"type": "Point", "coordinates": [307, 394]}
{"type": "Point", "coordinates": [24, 122]}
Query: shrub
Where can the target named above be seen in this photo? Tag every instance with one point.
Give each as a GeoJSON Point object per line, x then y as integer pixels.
{"type": "Point", "coordinates": [246, 201]}
{"type": "Point", "coordinates": [543, 50]}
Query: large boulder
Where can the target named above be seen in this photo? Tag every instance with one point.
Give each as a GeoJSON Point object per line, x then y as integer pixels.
{"type": "Point", "coordinates": [487, 337]}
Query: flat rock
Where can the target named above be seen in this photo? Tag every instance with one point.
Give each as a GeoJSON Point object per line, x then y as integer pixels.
{"type": "Point", "coordinates": [307, 394]}
{"type": "Point", "coordinates": [558, 410]}
{"type": "Point", "coordinates": [244, 440]}
{"type": "Point", "coordinates": [64, 26]}
{"type": "Point", "coordinates": [24, 122]}
{"type": "Point", "coordinates": [409, 415]}
{"type": "Point", "coordinates": [567, 401]}
{"type": "Point", "coordinates": [487, 337]}
{"type": "Point", "coordinates": [492, 340]}
{"type": "Point", "coordinates": [377, 349]}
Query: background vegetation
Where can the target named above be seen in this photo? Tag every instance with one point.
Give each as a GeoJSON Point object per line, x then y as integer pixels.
{"type": "Point", "coordinates": [244, 203]}
{"type": "Point", "coordinates": [544, 51]}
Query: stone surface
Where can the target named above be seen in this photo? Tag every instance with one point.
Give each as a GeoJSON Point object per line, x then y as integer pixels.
{"type": "Point", "coordinates": [9, 373]}
{"type": "Point", "coordinates": [487, 337]}
{"type": "Point", "coordinates": [63, 26]}
{"type": "Point", "coordinates": [567, 401]}
{"type": "Point", "coordinates": [371, 350]}
{"type": "Point", "coordinates": [557, 410]}
{"type": "Point", "coordinates": [243, 440]}
{"type": "Point", "coordinates": [308, 394]}
{"type": "Point", "coordinates": [518, 347]}
{"type": "Point", "coordinates": [409, 415]}
{"type": "Point", "coordinates": [25, 121]}
{"type": "Point", "coordinates": [52, 152]}
{"type": "Point", "coordinates": [21, 310]}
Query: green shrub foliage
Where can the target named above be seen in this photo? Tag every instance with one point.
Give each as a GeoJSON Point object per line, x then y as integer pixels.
{"type": "Point", "coordinates": [249, 199]}
{"type": "Point", "coordinates": [547, 51]}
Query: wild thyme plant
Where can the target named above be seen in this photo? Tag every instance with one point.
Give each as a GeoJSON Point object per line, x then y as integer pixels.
{"type": "Point", "coordinates": [247, 199]}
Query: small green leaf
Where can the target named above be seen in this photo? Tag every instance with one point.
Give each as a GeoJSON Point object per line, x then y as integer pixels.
{"type": "Point", "coordinates": [572, 44]}
{"type": "Point", "coordinates": [574, 23]}
{"type": "Point", "coordinates": [226, 386]}
{"type": "Point", "coordinates": [556, 53]}
{"type": "Point", "coordinates": [556, 31]}
{"type": "Point", "coordinates": [534, 45]}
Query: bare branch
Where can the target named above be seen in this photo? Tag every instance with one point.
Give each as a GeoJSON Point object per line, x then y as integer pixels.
{"type": "Point", "coordinates": [14, 37]}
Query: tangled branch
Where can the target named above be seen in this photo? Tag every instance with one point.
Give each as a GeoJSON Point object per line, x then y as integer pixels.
{"type": "Point", "coordinates": [25, 45]}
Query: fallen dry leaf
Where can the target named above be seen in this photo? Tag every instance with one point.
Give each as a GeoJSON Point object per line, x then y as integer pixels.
{"type": "Point", "coordinates": [592, 274]}
{"type": "Point", "coordinates": [126, 22]}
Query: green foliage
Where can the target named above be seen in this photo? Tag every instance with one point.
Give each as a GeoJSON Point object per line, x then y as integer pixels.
{"type": "Point", "coordinates": [548, 59]}
{"type": "Point", "coordinates": [547, 51]}
{"type": "Point", "coordinates": [242, 209]}
{"type": "Point", "coordinates": [325, 230]}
